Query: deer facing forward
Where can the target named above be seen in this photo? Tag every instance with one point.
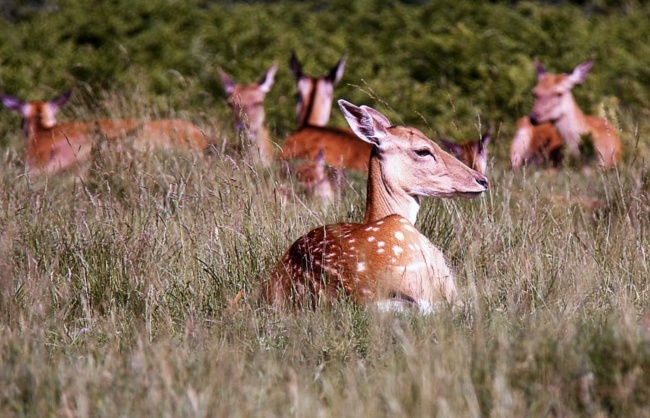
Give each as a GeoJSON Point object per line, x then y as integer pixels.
{"type": "Point", "coordinates": [554, 103]}
{"type": "Point", "coordinates": [384, 259]}
{"type": "Point", "coordinates": [340, 147]}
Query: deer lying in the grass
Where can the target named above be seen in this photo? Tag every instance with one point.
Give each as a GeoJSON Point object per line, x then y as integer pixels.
{"type": "Point", "coordinates": [473, 153]}
{"type": "Point", "coordinates": [554, 103]}
{"type": "Point", "coordinates": [340, 146]}
{"type": "Point", "coordinates": [55, 146]}
{"type": "Point", "coordinates": [536, 145]}
{"type": "Point", "coordinates": [247, 104]}
{"type": "Point", "coordinates": [313, 179]}
{"type": "Point", "coordinates": [384, 259]}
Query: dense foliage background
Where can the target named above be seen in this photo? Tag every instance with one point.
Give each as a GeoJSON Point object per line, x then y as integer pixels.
{"type": "Point", "coordinates": [116, 282]}
{"type": "Point", "coordinates": [446, 60]}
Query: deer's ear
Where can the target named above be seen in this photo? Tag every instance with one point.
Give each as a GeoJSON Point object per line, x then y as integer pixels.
{"type": "Point", "coordinates": [60, 100]}
{"type": "Point", "coordinates": [451, 147]}
{"type": "Point", "coordinates": [295, 65]}
{"type": "Point", "coordinates": [539, 68]}
{"type": "Point", "coordinates": [485, 139]}
{"type": "Point", "coordinates": [368, 124]}
{"type": "Point", "coordinates": [336, 73]}
{"type": "Point", "coordinates": [266, 81]}
{"type": "Point", "coordinates": [227, 81]}
{"type": "Point", "coordinates": [579, 73]}
{"type": "Point", "coordinates": [12, 103]}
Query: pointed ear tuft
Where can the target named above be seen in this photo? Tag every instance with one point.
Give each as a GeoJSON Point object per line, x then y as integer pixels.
{"type": "Point", "coordinates": [228, 83]}
{"type": "Point", "coordinates": [579, 73]}
{"type": "Point", "coordinates": [451, 147]}
{"type": "Point", "coordinates": [336, 73]}
{"type": "Point", "coordinates": [12, 103]}
{"type": "Point", "coordinates": [485, 138]}
{"type": "Point", "coordinates": [539, 68]}
{"type": "Point", "coordinates": [294, 65]}
{"type": "Point", "coordinates": [363, 123]}
{"type": "Point", "coordinates": [62, 99]}
{"type": "Point", "coordinates": [266, 81]}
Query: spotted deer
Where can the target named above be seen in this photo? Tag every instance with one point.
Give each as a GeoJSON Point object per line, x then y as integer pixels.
{"type": "Point", "coordinates": [554, 103]}
{"type": "Point", "coordinates": [473, 153]}
{"type": "Point", "coordinates": [536, 145]}
{"type": "Point", "coordinates": [247, 104]}
{"type": "Point", "coordinates": [384, 259]}
{"type": "Point", "coordinates": [54, 146]}
{"type": "Point", "coordinates": [341, 147]}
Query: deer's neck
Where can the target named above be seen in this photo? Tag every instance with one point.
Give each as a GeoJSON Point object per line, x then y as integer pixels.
{"type": "Point", "coordinates": [384, 197]}
{"type": "Point", "coordinates": [572, 125]}
{"type": "Point", "coordinates": [261, 142]}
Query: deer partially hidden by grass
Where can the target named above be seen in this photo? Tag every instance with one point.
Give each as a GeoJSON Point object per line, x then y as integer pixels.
{"type": "Point", "coordinates": [473, 153]}
{"type": "Point", "coordinates": [554, 103]}
{"type": "Point", "coordinates": [536, 145]}
{"type": "Point", "coordinates": [314, 180]}
{"type": "Point", "coordinates": [54, 146]}
{"type": "Point", "coordinates": [247, 104]}
{"type": "Point", "coordinates": [385, 259]}
{"type": "Point", "coordinates": [341, 147]}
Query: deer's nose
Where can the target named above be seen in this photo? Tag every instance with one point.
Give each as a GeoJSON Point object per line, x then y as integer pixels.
{"type": "Point", "coordinates": [483, 181]}
{"type": "Point", "coordinates": [534, 118]}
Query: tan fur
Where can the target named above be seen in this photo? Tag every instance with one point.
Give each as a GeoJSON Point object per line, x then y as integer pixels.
{"type": "Point", "coordinates": [247, 104]}
{"type": "Point", "coordinates": [473, 153]}
{"type": "Point", "coordinates": [341, 147]}
{"type": "Point", "coordinates": [554, 103]}
{"type": "Point", "coordinates": [384, 258]}
{"type": "Point", "coordinates": [54, 146]}
{"type": "Point", "coordinates": [315, 94]}
{"type": "Point", "coordinates": [314, 181]}
{"type": "Point", "coordinates": [536, 144]}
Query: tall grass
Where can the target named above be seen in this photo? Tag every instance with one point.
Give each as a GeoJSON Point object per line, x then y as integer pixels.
{"type": "Point", "coordinates": [117, 280]}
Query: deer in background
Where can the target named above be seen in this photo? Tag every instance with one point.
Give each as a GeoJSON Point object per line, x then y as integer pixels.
{"type": "Point", "coordinates": [340, 146]}
{"type": "Point", "coordinates": [314, 180]}
{"type": "Point", "coordinates": [247, 104]}
{"type": "Point", "coordinates": [554, 103]}
{"type": "Point", "coordinates": [536, 144]}
{"type": "Point", "coordinates": [473, 153]}
{"type": "Point", "coordinates": [54, 146]}
{"type": "Point", "coordinates": [384, 259]}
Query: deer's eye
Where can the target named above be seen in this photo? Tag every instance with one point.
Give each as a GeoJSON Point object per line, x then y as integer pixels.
{"type": "Point", "coordinates": [424, 153]}
{"type": "Point", "coordinates": [558, 94]}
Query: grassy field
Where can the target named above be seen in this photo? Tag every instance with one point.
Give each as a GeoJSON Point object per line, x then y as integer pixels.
{"type": "Point", "coordinates": [116, 284]}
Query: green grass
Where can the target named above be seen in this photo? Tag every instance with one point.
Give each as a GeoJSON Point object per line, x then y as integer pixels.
{"type": "Point", "coordinates": [116, 284]}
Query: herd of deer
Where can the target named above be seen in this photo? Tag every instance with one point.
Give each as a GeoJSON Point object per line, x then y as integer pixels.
{"type": "Point", "coordinates": [384, 260]}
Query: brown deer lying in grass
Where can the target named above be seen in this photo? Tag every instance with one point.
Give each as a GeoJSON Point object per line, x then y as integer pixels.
{"type": "Point", "coordinates": [536, 145]}
{"type": "Point", "coordinates": [554, 103]}
{"type": "Point", "coordinates": [340, 146]}
{"type": "Point", "coordinates": [55, 146]}
{"type": "Point", "coordinates": [247, 104]}
{"type": "Point", "coordinates": [384, 259]}
{"type": "Point", "coordinates": [473, 153]}
{"type": "Point", "coordinates": [314, 180]}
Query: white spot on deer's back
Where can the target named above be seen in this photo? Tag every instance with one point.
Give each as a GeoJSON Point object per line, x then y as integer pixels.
{"type": "Point", "coordinates": [397, 250]}
{"type": "Point", "coordinates": [409, 228]}
{"type": "Point", "coordinates": [399, 235]}
{"type": "Point", "coordinates": [371, 239]}
{"type": "Point", "coordinates": [380, 251]}
{"type": "Point", "coordinates": [361, 267]}
{"type": "Point", "coordinates": [381, 244]}
{"type": "Point", "coordinates": [404, 220]}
